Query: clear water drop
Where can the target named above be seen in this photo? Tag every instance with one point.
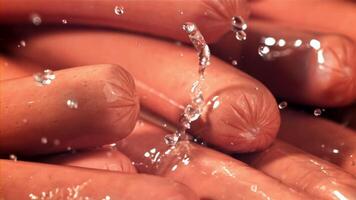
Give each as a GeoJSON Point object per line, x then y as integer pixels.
{"type": "Point", "coordinates": [72, 104]}
{"type": "Point", "coordinates": [64, 21]}
{"type": "Point", "coordinates": [234, 62]}
{"type": "Point", "coordinates": [35, 19]}
{"type": "Point", "coordinates": [45, 78]}
{"type": "Point", "coordinates": [44, 140]}
{"type": "Point", "coordinates": [189, 27]}
{"type": "Point", "coordinates": [171, 139]}
{"type": "Point", "coordinates": [119, 10]}
{"type": "Point", "coordinates": [13, 157]}
{"type": "Point", "coordinates": [317, 112]}
{"type": "Point", "coordinates": [263, 50]}
{"type": "Point", "coordinates": [239, 26]}
{"type": "Point", "coordinates": [23, 43]}
{"type": "Point", "coordinates": [282, 105]}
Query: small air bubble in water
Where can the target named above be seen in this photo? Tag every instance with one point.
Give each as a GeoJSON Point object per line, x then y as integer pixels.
{"type": "Point", "coordinates": [35, 19]}
{"type": "Point", "coordinates": [234, 62]}
{"type": "Point", "coordinates": [13, 157]}
{"type": "Point", "coordinates": [317, 112]}
{"type": "Point", "coordinates": [64, 21]}
{"type": "Point", "coordinates": [44, 140]}
{"type": "Point", "coordinates": [45, 78]}
{"type": "Point", "coordinates": [72, 104]}
{"type": "Point", "coordinates": [119, 10]}
{"type": "Point", "coordinates": [282, 105]}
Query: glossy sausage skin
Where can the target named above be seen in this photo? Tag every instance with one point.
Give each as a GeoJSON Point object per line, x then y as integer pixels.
{"type": "Point", "coordinates": [324, 76]}
{"type": "Point", "coordinates": [26, 180]}
{"type": "Point", "coordinates": [243, 117]}
{"type": "Point", "coordinates": [303, 171]}
{"type": "Point", "coordinates": [212, 175]}
{"type": "Point", "coordinates": [36, 118]}
{"type": "Point", "coordinates": [103, 158]}
{"type": "Point", "coordinates": [323, 138]}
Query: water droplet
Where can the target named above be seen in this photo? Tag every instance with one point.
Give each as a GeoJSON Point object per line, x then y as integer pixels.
{"type": "Point", "coordinates": [315, 44]}
{"type": "Point", "coordinates": [23, 43]}
{"type": "Point", "coordinates": [44, 140]}
{"type": "Point", "coordinates": [72, 104]}
{"type": "Point", "coordinates": [263, 50]}
{"type": "Point", "coordinates": [238, 27]}
{"type": "Point", "coordinates": [107, 197]}
{"type": "Point", "coordinates": [241, 35]}
{"type": "Point", "coordinates": [191, 114]}
{"type": "Point", "coordinates": [119, 10]}
{"type": "Point", "coordinates": [153, 150]}
{"type": "Point", "coordinates": [13, 157]}
{"type": "Point", "coordinates": [282, 105]}
{"type": "Point", "coordinates": [322, 146]}
{"type": "Point", "coordinates": [189, 27]}
{"type": "Point", "coordinates": [35, 19]}
{"type": "Point", "coordinates": [186, 159]}
{"type": "Point", "coordinates": [45, 78]}
{"type": "Point", "coordinates": [336, 151]}
{"type": "Point", "coordinates": [181, 12]}
{"type": "Point", "coordinates": [171, 139]}
{"type": "Point", "coordinates": [174, 168]}
{"type": "Point", "coordinates": [298, 43]}
{"type": "Point", "coordinates": [281, 43]}
{"type": "Point", "coordinates": [64, 21]}
{"type": "Point", "coordinates": [317, 112]}
{"type": "Point", "coordinates": [269, 41]}
{"type": "Point", "coordinates": [234, 62]}
{"type": "Point", "coordinates": [147, 154]}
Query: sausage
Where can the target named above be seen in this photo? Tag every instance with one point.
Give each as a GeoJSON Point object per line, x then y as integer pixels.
{"type": "Point", "coordinates": [161, 18]}
{"type": "Point", "coordinates": [320, 137]}
{"type": "Point", "coordinates": [303, 171]}
{"type": "Point", "coordinates": [210, 174]}
{"type": "Point", "coordinates": [104, 159]}
{"type": "Point", "coordinates": [11, 67]}
{"type": "Point", "coordinates": [82, 107]}
{"type": "Point", "coordinates": [243, 117]}
{"type": "Point", "coordinates": [315, 15]}
{"type": "Point", "coordinates": [324, 76]}
{"type": "Point", "coordinates": [26, 180]}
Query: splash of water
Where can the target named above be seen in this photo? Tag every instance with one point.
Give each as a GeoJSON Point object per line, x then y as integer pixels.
{"type": "Point", "coordinates": [193, 111]}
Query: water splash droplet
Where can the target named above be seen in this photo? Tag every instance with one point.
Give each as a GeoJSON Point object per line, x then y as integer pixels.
{"type": "Point", "coordinates": [234, 62]}
{"type": "Point", "coordinates": [23, 43]}
{"type": "Point", "coordinates": [298, 43]}
{"type": "Point", "coordinates": [171, 139]}
{"type": "Point", "coordinates": [13, 157]}
{"type": "Point", "coordinates": [238, 27]}
{"type": "Point", "coordinates": [282, 105]}
{"type": "Point", "coordinates": [263, 50]}
{"type": "Point", "coordinates": [72, 104]}
{"type": "Point", "coordinates": [315, 44]}
{"type": "Point", "coordinates": [45, 78]}
{"type": "Point", "coordinates": [317, 112]}
{"type": "Point", "coordinates": [64, 21]}
{"type": "Point", "coordinates": [44, 140]}
{"type": "Point", "coordinates": [119, 10]}
{"type": "Point", "coordinates": [35, 19]}
{"type": "Point", "coordinates": [269, 41]}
